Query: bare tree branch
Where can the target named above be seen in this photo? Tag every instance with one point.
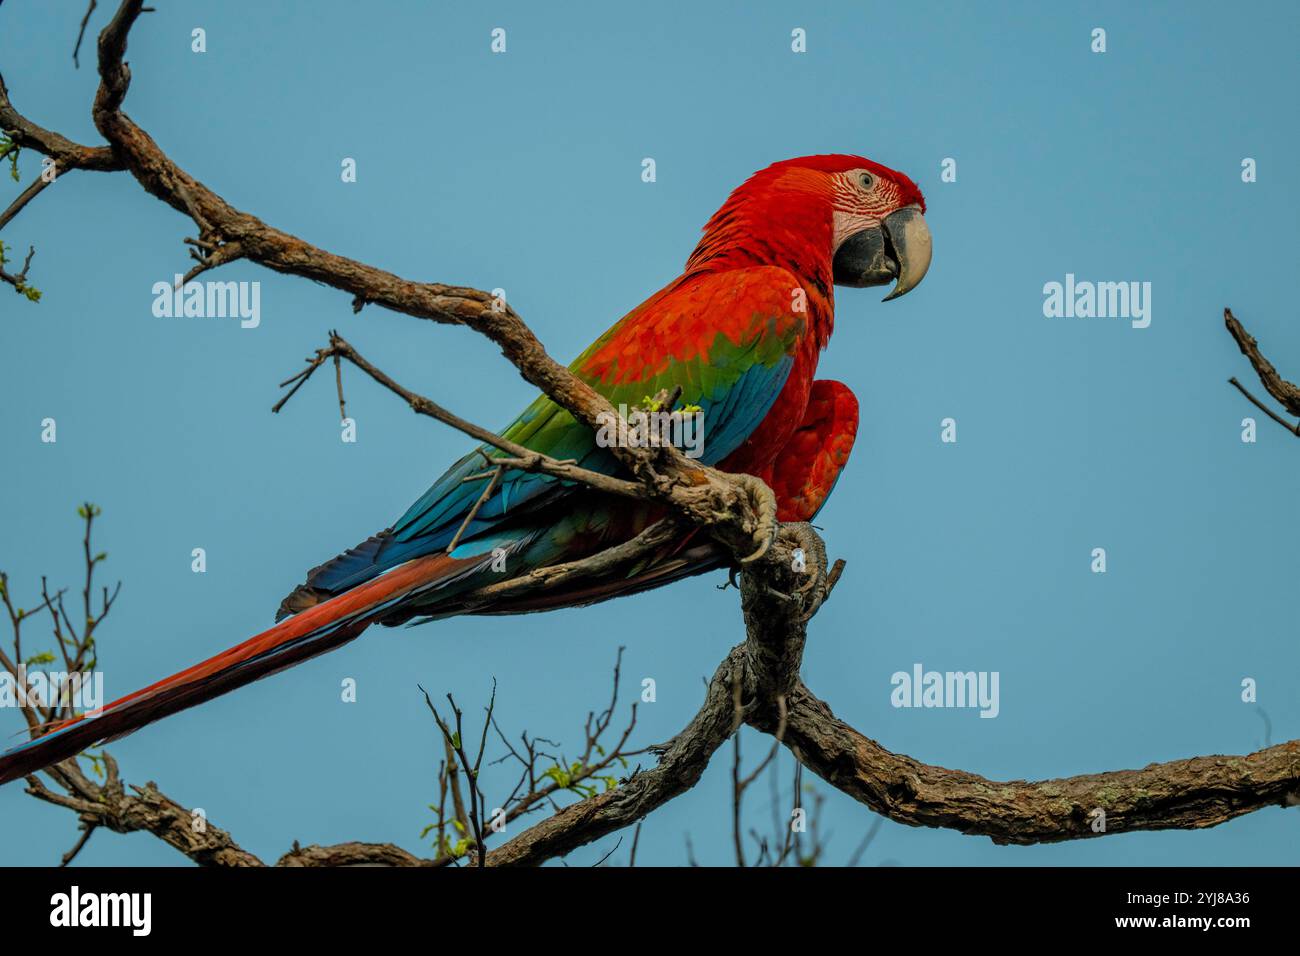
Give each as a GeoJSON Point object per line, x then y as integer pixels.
{"type": "Point", "coordinates": [66, 154]}
{"type": "Point", "coordinates": [519, 457]}
{"type": "Point", "coordinates": [1282, 390]}
{"type": "Point", "coordinates": [735, 510]}
{"type": "Point", "coordinates": [352, 854]}
{"type": "Point", "coordinates": [17, 279]}
{"type": "Point", "coordinates": [81, 34]}
{"type": "Point", "coordinates": [681, 764]}
{"type": "Point", "coordinates": [147, 809]}
{"type": "Point", "coordinates": [26, 196]}
{"type": "Point", "coordinates": [1181, 794]}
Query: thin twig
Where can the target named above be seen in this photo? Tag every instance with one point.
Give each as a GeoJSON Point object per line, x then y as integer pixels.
{"type": "Point", "coordinates": [488, 491]}
{"type": "Point", "coordinates": [82, 33]}
{"type": "Point", "coordinates": [1284, 391]}
{"type": "Point", "coordinates": [1294, 429]}
{"type": "Point", "coordinates": [26, 196]}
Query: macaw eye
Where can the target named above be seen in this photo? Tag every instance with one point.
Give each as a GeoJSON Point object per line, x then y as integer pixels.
{"type": "Point", "coordinates": [866, 180]}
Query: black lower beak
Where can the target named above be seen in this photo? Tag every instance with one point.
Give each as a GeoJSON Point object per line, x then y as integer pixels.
{"type": "Point", "coordinates": [898, 249]}
{"type": "Point", "coordinates": [865, 259]}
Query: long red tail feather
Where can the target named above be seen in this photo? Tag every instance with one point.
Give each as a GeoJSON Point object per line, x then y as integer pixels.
{"type": "Point", "coordinates": [314, 631]}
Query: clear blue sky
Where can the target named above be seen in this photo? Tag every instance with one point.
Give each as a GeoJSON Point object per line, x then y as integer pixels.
{"type": "Point", "coordinates": [522, 171]}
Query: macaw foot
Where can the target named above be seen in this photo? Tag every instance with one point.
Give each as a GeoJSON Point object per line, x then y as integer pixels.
{"type": "Point", "coordinates": [763, 502]}
{"type": "Point", "coordinates": [801, 551]}
{"type": "Point", "coordinates": [808, 551]}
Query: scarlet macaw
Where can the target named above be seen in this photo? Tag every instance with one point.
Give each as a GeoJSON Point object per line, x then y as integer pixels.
{"type": "Point", "coordinates": [740, 331]}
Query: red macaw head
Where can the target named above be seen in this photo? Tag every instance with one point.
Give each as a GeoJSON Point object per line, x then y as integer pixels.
{"type": "Point", "coordinates": [863, 219]}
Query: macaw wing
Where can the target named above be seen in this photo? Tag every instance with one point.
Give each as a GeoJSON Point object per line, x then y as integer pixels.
{"type": "Point", "coordinates": [728, 339]}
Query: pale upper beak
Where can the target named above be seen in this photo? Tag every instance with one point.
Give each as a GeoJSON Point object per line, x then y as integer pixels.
{"type": "Point", "coordinates": [898, 249]}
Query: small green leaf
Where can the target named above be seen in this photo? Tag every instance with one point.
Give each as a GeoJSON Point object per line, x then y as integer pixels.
{"type": "Point", "coordinates": [559, 775]}
{"type": "Point", "coordinates": [9, 149]}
